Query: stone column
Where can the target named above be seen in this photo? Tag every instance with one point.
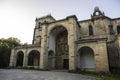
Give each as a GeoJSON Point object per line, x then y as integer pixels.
{"type": "Point", "coordinates": [25, 60]}
{"type": "Point", "coordinates": [118, 43]}
{"type": "Point", "coordinates": [43, 62]}
{"type": "Point", "coordinates": [11, 64]}
{"type": "Point", "coordinates": [101, 57]}
{"type": "Point", "coordinates": [71, 53]}
{"type": "Point", "coordinates": [71, 39]}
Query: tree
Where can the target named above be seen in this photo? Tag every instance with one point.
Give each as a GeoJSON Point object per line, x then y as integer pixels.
{"type": "Point", "coordinates": [5, 50]}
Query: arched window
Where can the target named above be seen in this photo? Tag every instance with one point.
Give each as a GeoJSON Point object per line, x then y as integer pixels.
{"type": "Point", "coordinates": [39, 24]}
{"type": "Point", "coordinates": [118, 29]}
{"type": "Point", "coordinates": [111, 31]}
{"type": "Point", "coordinates": [90, 30]}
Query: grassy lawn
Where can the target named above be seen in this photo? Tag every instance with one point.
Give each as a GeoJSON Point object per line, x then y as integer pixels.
{"type": "Point", "coordinates": [100, 76]}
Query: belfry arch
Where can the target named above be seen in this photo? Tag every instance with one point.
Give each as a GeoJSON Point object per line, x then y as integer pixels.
{"type": "Point", "coordinates": [86, 58]}
{"type": "Point", "coordinates": [20, 56]}
{"type": "Point", "coordinates": [58, 42]}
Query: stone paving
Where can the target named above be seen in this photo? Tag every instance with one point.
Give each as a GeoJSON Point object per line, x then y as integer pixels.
{"type": "Point", "coordinates": [17, 74]}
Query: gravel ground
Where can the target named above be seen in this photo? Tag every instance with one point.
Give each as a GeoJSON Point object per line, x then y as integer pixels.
{"type": "Point", "coordinates": [17, 74]}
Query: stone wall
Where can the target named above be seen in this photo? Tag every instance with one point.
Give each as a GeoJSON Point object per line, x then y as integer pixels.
{"type": "Point", "coordinates": [100, 27]}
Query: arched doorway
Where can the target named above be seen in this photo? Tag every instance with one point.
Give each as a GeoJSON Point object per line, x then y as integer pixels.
{"type": "Point", "coordinates": [87, 61]}
{"type": "Point", "coordinates": [58, 42]}
{"type": "Point", "coordinates": [20, 56]}
{"type": "Point", "coordinates": [51, 60]}
{"type": "Point", "coordinates": [33, 58]}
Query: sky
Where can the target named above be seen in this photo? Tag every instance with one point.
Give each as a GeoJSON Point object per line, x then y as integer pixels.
{"type": "Point", "coordinates": [17, 17]}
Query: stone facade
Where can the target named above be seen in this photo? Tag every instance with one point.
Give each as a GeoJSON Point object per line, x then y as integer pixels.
{"type": "Point", "coordinates": [91, 45]}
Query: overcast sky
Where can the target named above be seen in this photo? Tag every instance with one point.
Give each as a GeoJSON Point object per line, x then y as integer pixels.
{"type": "Point", "coordinates": [17, 17]}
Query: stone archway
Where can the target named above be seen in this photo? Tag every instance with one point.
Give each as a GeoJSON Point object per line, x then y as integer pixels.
{"type": "Point", "coordinates": [86, 55]}
{"type": "Point", "coordinates": [51, 60]}
{"type": "Point", "coordinates": [58, 42]}
{"type": "Point", "coordinates": [20, 56]}
{"type": "Point", "coordinates": [33, 58]}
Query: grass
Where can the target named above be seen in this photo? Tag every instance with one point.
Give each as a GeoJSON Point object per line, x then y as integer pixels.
{"type": "Point", "coordinates": [99, 76]}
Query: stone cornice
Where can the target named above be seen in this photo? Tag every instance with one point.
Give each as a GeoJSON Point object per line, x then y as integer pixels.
{"type": "Point", "coordinates": [72, 16]}
{"type": "Point", "coordinates": [116, 18]}
{"type": "Point", "coordinates": [102, 17]}
{"type": "Point", "coordinates": [27, 46]}
{"type": "Point", "coordinates": [90, 40]}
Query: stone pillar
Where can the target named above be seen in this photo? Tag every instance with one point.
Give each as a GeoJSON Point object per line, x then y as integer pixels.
{"type": "Point", "coordinates": [101, 57]}
{"type": "Point", "coordinates": [12, 63]}
{"type": "Point", "coordinates": [25, 60]}
{"type": "Point", "coordinates": [43, 62]}
{"type": "Point", "coordinates": [118, 43]}
{"type": "Point", "coordinates": [71, 39]}
{"type": "Point", "coordinates": [71, 53]}
{"type": "Point", "coordinates": [118, 40]}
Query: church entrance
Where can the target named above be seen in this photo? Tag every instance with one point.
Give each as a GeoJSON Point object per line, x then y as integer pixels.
{"type": "Point", "coordinates": [58, 42]}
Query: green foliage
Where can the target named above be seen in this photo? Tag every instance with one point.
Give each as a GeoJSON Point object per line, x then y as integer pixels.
{"type": "Point", "coordinates": [5, 50]}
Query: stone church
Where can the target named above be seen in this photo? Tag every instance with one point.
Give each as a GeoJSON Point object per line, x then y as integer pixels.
{"type": "Point", "coordinates": [90, 45]}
